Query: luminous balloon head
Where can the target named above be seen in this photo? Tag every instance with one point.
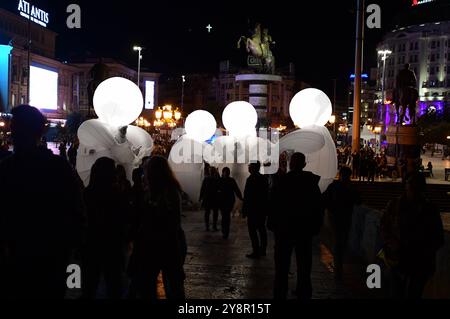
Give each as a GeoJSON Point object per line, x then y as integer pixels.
{"type": "Point", "coordinates": [310, 107]}
{"type": "Point", "coordinates": [118, 101]}
{"type": "Point", "coordinates": [200, 126]}
{"type": "Point", "coordinates": [240, 118]}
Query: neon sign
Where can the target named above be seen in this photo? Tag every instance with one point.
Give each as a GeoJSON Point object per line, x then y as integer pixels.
{"type": "Point", "coordinates": [33, 13]}
{"type": "Point", "coordinates": [419, 2]}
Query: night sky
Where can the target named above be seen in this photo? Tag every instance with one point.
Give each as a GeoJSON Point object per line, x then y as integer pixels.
{"type": "Point", "coordinates": [318, 36]}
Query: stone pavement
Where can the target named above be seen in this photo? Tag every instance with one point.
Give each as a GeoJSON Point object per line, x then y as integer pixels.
{"type": "Point", "coordinates": [218, 269]}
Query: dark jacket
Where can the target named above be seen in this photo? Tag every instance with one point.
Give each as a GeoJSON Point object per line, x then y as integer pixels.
{"type": "Point", "coordinates": [300, 206]}
{"type": "Point", "coordinates": [107, 217]}
{"type": "Point", "coordinates": [160, 240]}
{"type": "Point", "coordinates": [42, 212]}
{"type": "Point", "coordinates": [228, 190]}
{"type": "Point", "coordinates": [412, 234]}
{"type": "Point", "coordinates": [256, 195]}
{"type": "Point", "coordinates": [209, 193]}
{"type": "Point", "coordinates": [340, 199]}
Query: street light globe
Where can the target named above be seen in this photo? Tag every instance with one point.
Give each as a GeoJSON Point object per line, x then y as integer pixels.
{"type": "Point", "coordinates": [118, 101]}
{"type": "Point", "coordinates": [240, 119]}
{"type": "Point", "coordinates": [200, 126]}
{"type": "Point", "coordinates": [310, 107]}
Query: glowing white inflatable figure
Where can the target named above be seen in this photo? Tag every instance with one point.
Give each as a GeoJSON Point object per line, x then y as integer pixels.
{"type": "Point", "coordinates": [310, 110]}
{"type": "Point", "coordinates": [118, 102]}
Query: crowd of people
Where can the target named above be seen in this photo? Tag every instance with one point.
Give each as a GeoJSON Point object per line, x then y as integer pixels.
{"type": "Point", "coordinates": [366, 164]}
{"type": "Point", "coordinates": [128, 232]}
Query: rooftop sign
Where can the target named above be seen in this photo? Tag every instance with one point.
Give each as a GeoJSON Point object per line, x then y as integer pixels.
{"type": "Point", "coordinates": [33, 13]}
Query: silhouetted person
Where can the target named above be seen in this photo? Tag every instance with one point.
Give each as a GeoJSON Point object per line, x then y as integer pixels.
{"type": "Point", "coordinates": [72, 154]}
{"type": "Point", "coordinates": [356, 158]}
{"type": "Point", "coordinates": [209, 197]}
{"type": "Point", "coordinates": [340, 198]}
{"type": "Point", "coordinates": [298, 219]}
{"type": "Point", "coordinates": [107, 214]}
{"type": "Point", "coordinates": [255, 209]}
{"type": "Point", "coordinates": [37, 235]}
{"type": "Point", "coordinates": [430, 169]}
{"type": "Point", "coordinates": [63, 150]}
{"type": "Point", "coordinates": [412, 232]}
{"type": "Point", "coordinates": [228, 190]}
{"type": "Point", "coordinates": [160, 243]}
{"type": "Point", "coordinates": [122, 182]}
{"type": "Point", "coordinates": [371, 169]}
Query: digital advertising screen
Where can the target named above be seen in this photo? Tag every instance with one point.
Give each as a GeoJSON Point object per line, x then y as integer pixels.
{"type": "Point", "coordinates": [43, 87]}
{"type": "Point", "coordinates": [149, 95]}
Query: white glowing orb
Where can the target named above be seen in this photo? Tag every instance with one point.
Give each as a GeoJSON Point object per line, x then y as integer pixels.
{"type": "Point", "coordinates": [118, 101]}
{"type": "Point", "coordinates": [310, 107]}
{"type": "Point", "coordinates": [200, 126]}
{"type": "Point", "coordinates": [240, 119]}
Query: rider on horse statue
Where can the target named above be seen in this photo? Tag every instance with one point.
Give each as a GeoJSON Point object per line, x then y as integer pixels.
{"type": "Point", "coordinates": [406, 94]}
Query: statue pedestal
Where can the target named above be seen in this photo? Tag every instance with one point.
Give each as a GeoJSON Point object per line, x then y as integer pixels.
{"type": "Point", "coordinates": [403, 143]}
{"type": "Point", "coordinates": [259, 92]}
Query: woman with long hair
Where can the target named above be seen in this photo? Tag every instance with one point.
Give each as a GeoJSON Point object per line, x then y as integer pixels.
{"type": "Point", "coordinates": [159, 243]}
{"type": "Point", "coordinates": [107, 211]}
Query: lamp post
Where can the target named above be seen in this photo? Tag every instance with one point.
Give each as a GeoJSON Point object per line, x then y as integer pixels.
{"type": "Point", "coordinates": [358, 71]}
{"type": "Point", "coordinates": [332, 121]}
{"type": "Point", "coordinates": [30, 6]}
{"type": "Point", "coordinates": [166, 116]}
{"type": "Point", "coordinates": [139, 50]}
{"type": "Point", "coordinates": [183, 80]}
{"type": "Point", "coordinates": [384, 55]}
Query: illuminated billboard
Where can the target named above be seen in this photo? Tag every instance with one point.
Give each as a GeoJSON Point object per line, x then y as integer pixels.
{"type": "Point", "coordinates": [149, 95]}
{"type": "Point", "coordinates": [43, 87]}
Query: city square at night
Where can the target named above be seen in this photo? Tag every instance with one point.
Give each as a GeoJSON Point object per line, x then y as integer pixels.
{"type": "Point", "coordinates": [225, 159]}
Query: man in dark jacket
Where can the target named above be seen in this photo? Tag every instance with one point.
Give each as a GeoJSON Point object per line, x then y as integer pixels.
{"type": "Point", "coordinates": [228, 190]}
{"type": "Point", "coordinates": [255, 209]}
{"type": "Point", "coordinates": [340, 199]}
{"type": "Point", "coordinates": [297, 221]}
{"type": "Point", "coordinates": [412, 232]}
{"type": "Point", "coordinates": [41, 220]}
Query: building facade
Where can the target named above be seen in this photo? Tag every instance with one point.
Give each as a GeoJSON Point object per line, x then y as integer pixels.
{"type": "Point", "coordinates": [57, 88]}
{"type": "Point", "coordinates": [213, 92]}
{"type": "Point", "coordinates": [426, 47]}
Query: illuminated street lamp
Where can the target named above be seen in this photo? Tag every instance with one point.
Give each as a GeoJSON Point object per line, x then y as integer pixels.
{"type": "Point", "coordinates": [167, 116]}
{"type": "Point", "coordinates": [177, 115]}
{"type": "Point", "coordinates": [332, 119]}
{"type": "Point", "coordinates": [167, 112]}
{"type": "Point", "coordinates": [384, 56]}
{"type": "Point", "coordinates": [139, 50]}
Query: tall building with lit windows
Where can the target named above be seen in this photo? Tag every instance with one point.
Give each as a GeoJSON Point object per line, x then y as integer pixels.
{"type": "Point", "coordinates": [425, 45]}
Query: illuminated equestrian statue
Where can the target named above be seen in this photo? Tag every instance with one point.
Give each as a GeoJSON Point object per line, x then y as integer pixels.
{"type": "Point", "coordinates": [259, 46]}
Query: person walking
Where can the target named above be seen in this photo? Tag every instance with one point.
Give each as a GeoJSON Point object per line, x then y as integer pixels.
{"type": "Point", "coordinates": [228, 191]}
{"type": "Point", "coordinates": [255, 209]}
{"type": "Point", "coordinates": [340, 198]}
{"type": "Point", "coordinates": [209, 193]}
{"type": "Point", "coordinates": [159, 241]}
{"type": "Point", "coordinates": [37, 238]}
{"type": "Point", "coordinates": [412, 233]}
{"type": "Point", "coordinates": [430, 169]}
{"type": "Point", "coordinates": [107, 224]}
{"type": "Point", "coordinates": [294, 224]}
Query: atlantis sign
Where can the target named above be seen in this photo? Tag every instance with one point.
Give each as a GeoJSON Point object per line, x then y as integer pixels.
{"type": "Point", "coordinates": [33, 13]}
{"type": "Point", "coordinates": [419, 2]}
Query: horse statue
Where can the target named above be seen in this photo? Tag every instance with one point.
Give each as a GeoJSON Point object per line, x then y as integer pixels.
{"type": "Point", "coordinates": [259, 46]}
